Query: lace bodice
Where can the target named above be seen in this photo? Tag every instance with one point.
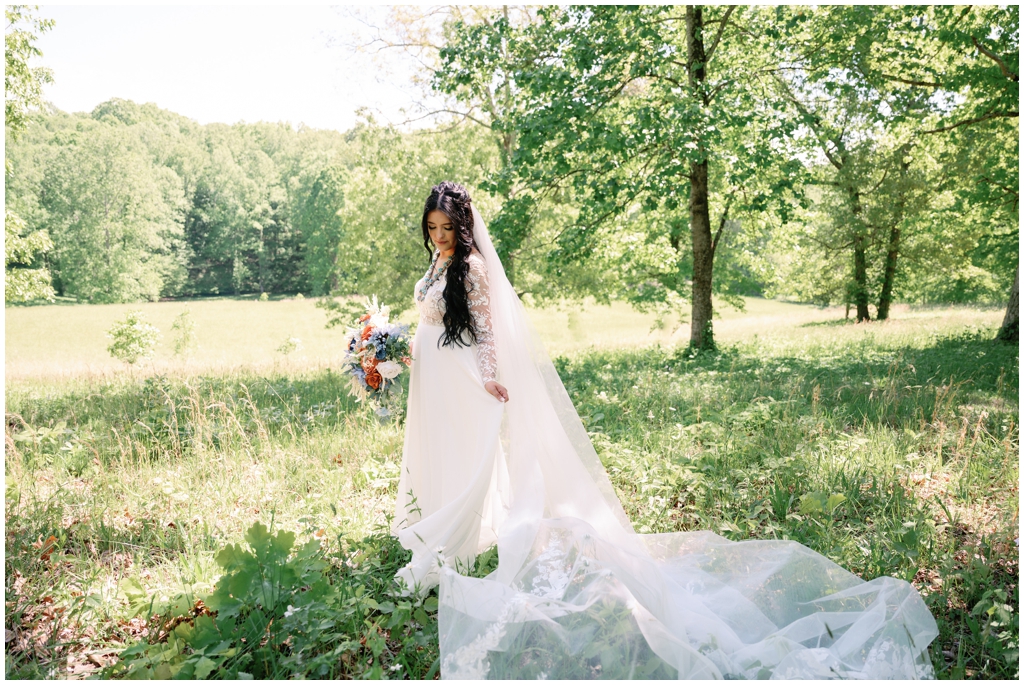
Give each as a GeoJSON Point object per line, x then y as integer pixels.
{"type": "Point", "coordinates": [432, 310]}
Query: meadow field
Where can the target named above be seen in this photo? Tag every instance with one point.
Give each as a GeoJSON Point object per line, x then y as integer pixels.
{"type": "Point", "coordinates": [891, 448]}
{"type": "Point", "coordinates": [64, 341]}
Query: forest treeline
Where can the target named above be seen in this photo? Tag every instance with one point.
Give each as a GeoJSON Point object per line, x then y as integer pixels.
{"type": "Point", "coordinates": [658, 155]}
{"type": "Point", "coordinates": [141, 203]}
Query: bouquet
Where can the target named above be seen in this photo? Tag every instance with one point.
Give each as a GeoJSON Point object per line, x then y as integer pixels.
{"type": "Point", "coordinates": [377, 349]}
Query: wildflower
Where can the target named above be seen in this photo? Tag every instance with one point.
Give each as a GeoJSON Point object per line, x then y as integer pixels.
{"type": "Point", "coordinates": [289, 611]}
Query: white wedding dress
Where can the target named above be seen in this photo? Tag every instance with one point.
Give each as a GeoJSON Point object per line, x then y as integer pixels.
{"type": "Point", "coordinates": [577, 593]}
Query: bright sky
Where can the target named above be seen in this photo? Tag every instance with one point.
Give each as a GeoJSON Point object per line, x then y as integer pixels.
{"type": "Point", "coordinates": [223, 63]}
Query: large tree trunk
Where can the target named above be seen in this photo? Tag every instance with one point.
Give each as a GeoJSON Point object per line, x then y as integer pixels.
{"type": "Point", "coordinates": [891, 255]}
{"type": "Point", "coordinates": [701, 334]}
{"type": "Point", "coordinates": [893, 252]}
{"type": "Point", "coordinates": [860, 277]}
{"type": "Point", "coordinates": [1009, 330]}
{"type": "Point", "coordinates": [860, 261]}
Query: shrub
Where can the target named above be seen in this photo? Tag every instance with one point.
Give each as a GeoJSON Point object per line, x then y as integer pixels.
{"type": "Point", "coordinates": [283, 610]}
{"type": "Point", "coordinates": [290, 345]}
{"type": "Point", "coordinates": [184, 333]}
{"type": "Point", "coordinates": [134, 338]}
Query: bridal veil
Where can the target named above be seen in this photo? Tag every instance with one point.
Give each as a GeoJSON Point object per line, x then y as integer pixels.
{"type": "Point", "coordinates": [578, 594]}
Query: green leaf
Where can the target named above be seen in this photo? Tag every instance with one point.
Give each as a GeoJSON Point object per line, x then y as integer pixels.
{"type": "Point", "coordinates": [204, 634]}
{"type": "Point", "coordinates": [204, 667]}
{"type": "Point", "coordinates": [232, 557]}
{"type": "Point", "coordinates": [834, 500]}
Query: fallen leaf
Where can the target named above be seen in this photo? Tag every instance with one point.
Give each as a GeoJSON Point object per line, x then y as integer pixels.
{"type": "Point", "coordinates": [47, 547]}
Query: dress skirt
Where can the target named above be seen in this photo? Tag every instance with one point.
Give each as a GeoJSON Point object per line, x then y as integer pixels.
{"type": "Point", "coordinates": [453, 488]}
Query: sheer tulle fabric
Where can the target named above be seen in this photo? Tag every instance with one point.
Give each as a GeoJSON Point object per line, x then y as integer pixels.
{"type": "Point", "coordinates": [577, 593]}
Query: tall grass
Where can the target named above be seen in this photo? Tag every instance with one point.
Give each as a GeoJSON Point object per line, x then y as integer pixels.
{"type": "Point", "coordinates": [892, 449]}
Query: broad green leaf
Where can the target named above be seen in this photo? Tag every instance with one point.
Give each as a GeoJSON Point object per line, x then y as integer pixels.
{"type": "Point", "coordinates": [204, 667]}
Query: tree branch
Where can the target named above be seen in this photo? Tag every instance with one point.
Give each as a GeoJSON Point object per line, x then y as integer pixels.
{"type": "Point", "coordinates": [910, 82]}
{"type": "Point", "coordinates": [885, 175]}
{"type": "Point", "coordinates": [718, 34]}
{"type": "Point", "coordinates": [1008, 189]}
{"type": "Point", "coordinates": [995, 58]}
{"type": "Point", "coordinates": [464, 115]}
{"type": "Point", "coordinates": [975, 120]}
{"type": "Point", "coordinates": [721, 224]}
{"type": "Point", "coordinates": [815, 125]}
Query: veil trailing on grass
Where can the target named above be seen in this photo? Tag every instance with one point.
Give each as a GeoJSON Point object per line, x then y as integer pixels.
{"type": "Point", "coordinates": [578, 594]}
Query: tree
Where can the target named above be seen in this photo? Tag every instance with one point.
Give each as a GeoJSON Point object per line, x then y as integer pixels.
{"type": "Point", "coordinates": [370, 219]}
{"type": "Point", "coordinates": [1010, 330]}
{"type": "Point", "coordinates": [319, 220]}
{"type": "Point", "coordinates": [970, 56]}
{"type": "Point", "coordinates": [133, 338]}
{"type": "Point", "coordinates": [871, 84]}
{"type": "Point", "coordinates": [469, 62]}
{"type": "Point", "coordinates": [638, 110]}
{"type": "Point", "coordinates": [26, 277]}
{"type": "Point", "coordinates": [24, 83]}
{"type": "Point", "coordinates": [114, 217]}
{"type": "Point", "coordinates": [23, 280]}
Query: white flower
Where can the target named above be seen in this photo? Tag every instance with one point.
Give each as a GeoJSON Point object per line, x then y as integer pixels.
{"type": "Point", "coordinates": [389, 369]}
{"type": "Point", "coordinates": [289, 611]}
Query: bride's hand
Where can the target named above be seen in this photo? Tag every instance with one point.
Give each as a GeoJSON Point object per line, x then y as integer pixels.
{"type": "Point", "coordinates": [497, 390]}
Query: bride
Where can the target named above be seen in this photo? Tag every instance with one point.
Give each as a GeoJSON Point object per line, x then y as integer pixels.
{"type": "Point", "coordinates": [577, 593]}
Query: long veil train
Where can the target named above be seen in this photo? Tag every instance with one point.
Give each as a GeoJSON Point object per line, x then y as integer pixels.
{"type": "Point", "coordinates": [578, 594]}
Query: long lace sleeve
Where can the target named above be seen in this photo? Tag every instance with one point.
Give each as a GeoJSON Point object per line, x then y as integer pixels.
{"type": "Point", "coordinates": [478, 292]}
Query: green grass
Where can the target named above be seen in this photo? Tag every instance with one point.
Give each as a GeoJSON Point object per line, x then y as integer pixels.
{"type": "Point", "coordinates": [890, 448]}
{"type": "Point", "coordinates": [58, 342]}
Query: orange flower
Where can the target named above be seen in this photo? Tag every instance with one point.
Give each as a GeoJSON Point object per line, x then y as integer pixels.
{"type": "Point", "coordinates": [364, 317]}
{"type": "Point", "coordinates": [373, 379]}
{"type": "Point", "coordinates": [367, 332]}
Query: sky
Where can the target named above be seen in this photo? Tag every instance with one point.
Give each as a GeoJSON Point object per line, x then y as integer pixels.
{"type": "Point", "coordinates": [224, 63]}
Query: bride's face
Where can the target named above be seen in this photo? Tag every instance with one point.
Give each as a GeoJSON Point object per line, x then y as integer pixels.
{"type": "Point", "coordinates": [441, 230]}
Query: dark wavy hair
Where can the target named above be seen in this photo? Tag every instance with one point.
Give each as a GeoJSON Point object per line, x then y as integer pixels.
{"type": "Point", "coordinates": [453, 200]}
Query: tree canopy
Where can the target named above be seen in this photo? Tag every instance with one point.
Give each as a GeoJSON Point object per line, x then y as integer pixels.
{"type": "Point", "coordinates": [660, 155]}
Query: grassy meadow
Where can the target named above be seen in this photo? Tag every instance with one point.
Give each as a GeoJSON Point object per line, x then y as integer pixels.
{"type": "Point", "coordinates": [891, 448]}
